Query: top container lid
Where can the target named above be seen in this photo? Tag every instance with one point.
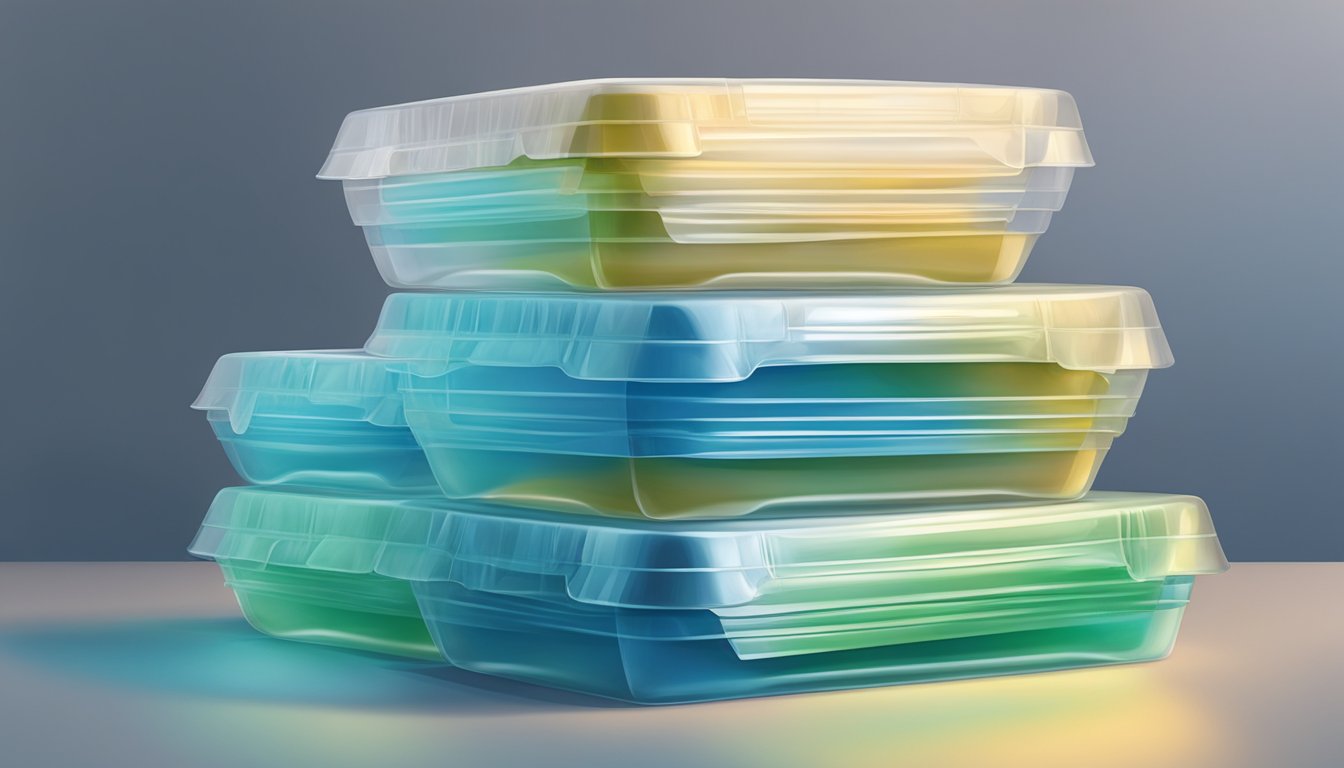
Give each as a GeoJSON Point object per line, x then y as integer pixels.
{"type": "Point", "coordinates": [241, 384]}
{"type": "Point", "coordinates": [872, 121]}
{"type": "Point", "coordinates": [725, 336]}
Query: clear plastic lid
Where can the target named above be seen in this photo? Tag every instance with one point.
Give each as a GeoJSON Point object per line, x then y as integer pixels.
{"type": "Point", "coordinates": [803, 562]}
{"type": "Point", "coordinates": [306, 528]}
{"type": "Point", "coordinates": [933, 126]}
{"type": "Point", "coordinates": [793, 562]}
{"type": "Point", "coordinates": [726, 336]}
{"type": "Point", "coordinates": [357, 384]}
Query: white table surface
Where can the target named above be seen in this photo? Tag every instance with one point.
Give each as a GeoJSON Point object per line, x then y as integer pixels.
{"type": "Point", "coordinates": [149, 664]}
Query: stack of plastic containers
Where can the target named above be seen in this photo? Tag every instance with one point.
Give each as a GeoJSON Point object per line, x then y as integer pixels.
{"type": "Point", "coordinates": [815, 457]}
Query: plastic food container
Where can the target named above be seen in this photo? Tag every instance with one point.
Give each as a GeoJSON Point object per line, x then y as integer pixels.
{"type": "Point", "coordinates": [721, 405]}
{"type": "Point", "coordinates": [563, 224]}
{"type": "Point", "coordinates": [681, 611]}
{"type": "Point", "coordinates": [322, 418]}
{"type": "Point", "coordinates": [302, 566]}
{"type": "Point", "coordinates": [709, 183]}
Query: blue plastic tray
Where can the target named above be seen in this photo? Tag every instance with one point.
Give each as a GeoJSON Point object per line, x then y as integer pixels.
{"type": "Point", "coordinates": [660, 612]}
{"type": "Point", "coordinates": [693, 405]}
{"type": "Point", "coordinates": [596, 651]}
{"type": "Point", "coordinates": [324, 418]}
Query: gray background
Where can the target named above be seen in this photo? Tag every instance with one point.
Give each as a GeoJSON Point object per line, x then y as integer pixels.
{"type": "Point", "coordinates": [159, 209]}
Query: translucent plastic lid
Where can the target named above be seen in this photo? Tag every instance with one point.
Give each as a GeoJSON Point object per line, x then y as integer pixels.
{"type": "Point", "coordinates": [244, 383]}
{"type": "Point", "coordinates": [714, 564]}
{"type": "Point", "coordinates": [791, 560]}
{"type": "Point", "coordinates": [292, 527]}
{"type": "Point", "coordinates": [837, 121]}
{"type": "Point", "coordinates": [726, 336]}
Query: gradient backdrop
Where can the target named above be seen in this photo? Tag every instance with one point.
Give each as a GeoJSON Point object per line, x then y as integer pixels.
{"type": "Point", "coordinates": [159, 208]}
